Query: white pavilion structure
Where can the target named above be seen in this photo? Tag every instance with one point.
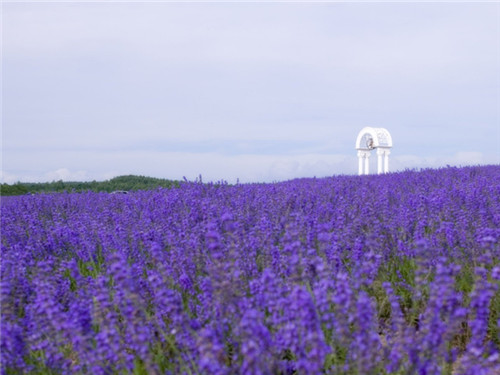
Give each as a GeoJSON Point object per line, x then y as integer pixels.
{"type": "Point", "coordinates": [368, 140]}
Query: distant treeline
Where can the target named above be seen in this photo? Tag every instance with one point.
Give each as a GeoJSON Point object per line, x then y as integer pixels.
{"type": "Point", "coordinates": [121, 183]}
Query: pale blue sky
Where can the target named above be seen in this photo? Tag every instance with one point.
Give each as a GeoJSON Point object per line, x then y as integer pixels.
{"type": "Point", "coordinates": [255, 91]}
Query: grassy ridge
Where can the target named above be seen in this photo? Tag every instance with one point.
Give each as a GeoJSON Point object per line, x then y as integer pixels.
{"type": "Point", "coordinates": [129, 183]}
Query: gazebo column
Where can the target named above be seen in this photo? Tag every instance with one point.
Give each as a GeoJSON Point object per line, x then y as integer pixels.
{"type": "Point", "coordinates": [361, 156]}
{"type": "Point", "coordinates": [363, 162]}
{"type": "Point", "coordinates": [380, 167]}
{"type": "Point", "coordinates": [367, 162]}
{"type": "Point", "coordinates": [386, 160]}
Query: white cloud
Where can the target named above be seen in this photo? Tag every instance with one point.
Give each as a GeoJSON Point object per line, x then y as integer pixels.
{"type": "Point", "coordinates": [66, 175]}
{"type": "Point", "coordinates": [216, 167]}
{"type": "Point", "coordinates": [8, 178]}
{"type": "Point", "coordinates": [462, 158]}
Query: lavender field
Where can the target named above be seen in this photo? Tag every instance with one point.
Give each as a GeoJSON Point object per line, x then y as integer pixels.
{"type": "Point", "coordinates": [389, 274]}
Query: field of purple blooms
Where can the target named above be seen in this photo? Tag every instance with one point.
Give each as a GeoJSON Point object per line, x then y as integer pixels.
{"type": "Point", "coordinates": [388, 274]}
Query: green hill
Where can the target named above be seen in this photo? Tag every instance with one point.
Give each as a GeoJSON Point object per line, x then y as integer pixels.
{"type": "Point", "coordinates": [120, 183]}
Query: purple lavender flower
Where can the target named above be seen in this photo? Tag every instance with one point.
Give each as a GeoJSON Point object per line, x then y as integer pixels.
{"type": "Point", "coordinates": [330, 275]}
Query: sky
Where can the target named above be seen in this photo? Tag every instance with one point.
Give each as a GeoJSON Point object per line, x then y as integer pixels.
{"type": "Point", "coordinates": [244, 91]}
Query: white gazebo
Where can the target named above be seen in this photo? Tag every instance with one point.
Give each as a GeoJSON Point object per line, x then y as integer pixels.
{"type": "Point", "coordinates": [369, 139]}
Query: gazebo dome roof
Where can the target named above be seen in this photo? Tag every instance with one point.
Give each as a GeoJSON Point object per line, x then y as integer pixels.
{"type": "Point", "coordinates": [370, 138]}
